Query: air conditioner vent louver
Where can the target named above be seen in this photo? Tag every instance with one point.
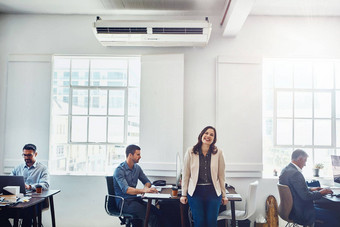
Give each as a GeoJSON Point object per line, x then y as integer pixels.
{"type": "Point", "coordinates": [120, 30]}
{"type": "Point", "coordinates": [177, 31]}
{"type": "Point", "coordinates": [171, 33]}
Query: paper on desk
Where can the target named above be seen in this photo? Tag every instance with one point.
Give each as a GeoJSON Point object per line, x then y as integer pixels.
{"type": "Point", "coordinates": [233, 196]}
{"type": "Point", "coordinates": [156, 195]}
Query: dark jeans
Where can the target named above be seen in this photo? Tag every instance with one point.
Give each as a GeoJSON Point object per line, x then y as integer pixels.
{"type": "Point", "coordinates": [137, 207]}
{"type": "Point", "coordinates": [4, 219]}
{"type": "Point", "coordinates": [204, 205]}
{"type": "Point", "coordinates": [327, 217]}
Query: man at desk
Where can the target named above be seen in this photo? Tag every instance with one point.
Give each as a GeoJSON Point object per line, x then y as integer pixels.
{"type": "Point", "coordinates": [125, 180]}
{"type": "Point", "coordinates": [34, 172]}
{"type": "Point", "coordinates": [304, 212]}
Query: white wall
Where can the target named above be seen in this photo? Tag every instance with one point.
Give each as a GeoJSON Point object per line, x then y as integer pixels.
{"type": "Point", "coordinates": [260, 37]}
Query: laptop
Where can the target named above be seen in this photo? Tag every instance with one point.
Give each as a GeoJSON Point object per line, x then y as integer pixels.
{"type": "Point", "coordinates": [6, 180]}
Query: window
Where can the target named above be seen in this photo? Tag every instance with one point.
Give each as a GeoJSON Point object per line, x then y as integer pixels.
{"type": "Point", "coordinates": [301, 109]}
{"type": "Point", "coordinates": [95, 106]}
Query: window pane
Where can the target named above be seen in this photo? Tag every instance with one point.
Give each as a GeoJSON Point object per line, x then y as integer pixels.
{"type": "Point", "coordinates": [96, 158]}
{"type": "Point", "coordinates": [324, 156]}
{"type": "Point", "coordinates": [80, 101]}
{"type": "Point", "coordinates": [79, 129]}
{"type": "Point", "coordinates": [283, 75]}
{"type": "Point", "coordinates": [337, 74]}
{"type": "Point", "coordinates": [303, 75]}
{"type": "Point", "coordinates": [303, 132]}
{"type": "Point", "coordinates": [80, 72]}
{"type": "Point", "coordinates": [337, 133]}
{"type": "Point", "coordinates": [59, 157]}
{"type": "Point", "coordinates": [77, 159]}
{"type": "Point", "coordinates": [303, 104]}
{"type": "Point", "coordinates": [59, 129]}
{"type": "Point", "coordinates": [61, 74]}
{"type": "Point", "coordinates": [284, 104]}
{"type": "Point", "coordinates": [323, 75]}
{"type": "Point", "coordinates": [134, 72]}
{"type": "Point", "coordinates": [268, 75]}
{"type": "Point", "coordinates": [134, 101]}
{"type": "Point", "coordinates": [322, 132]}
{"type": "Point", "coordinates": [268, 105]}
{"type": "Point", "coordinates": [322, 104]}
{"type": "Point", "coordinates": [116, 130]}
{"type": "Point", "coordinates": [115, 155]}
{"type": "Point", "coordinates": [337, 103]}
{"type": "Point", "coordinates": [284, 132]}
{"type": "Point", "coordinates": [109, 72]}
{"type": "Point", "coordinates": [97, 129]}
{"type": "Point", "coordinates": [98, 102]}
{"type": "Point", "coordinates": [116, 102]}
{"type": "Point", "coordinates": [133, 130]}
{"type": "Point", "coordinates": [60, 100]}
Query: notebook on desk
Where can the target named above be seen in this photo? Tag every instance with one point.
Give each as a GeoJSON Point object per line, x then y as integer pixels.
{"type": "Point", "coordinates": [6, 180]}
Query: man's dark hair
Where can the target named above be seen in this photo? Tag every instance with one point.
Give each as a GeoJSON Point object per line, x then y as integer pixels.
{"type": "Point", "coordinates": [298, 153]}
{"type": "Point", "coordinates": [30, 147]}
{"type": "Point", "coordinates": [131, 149]}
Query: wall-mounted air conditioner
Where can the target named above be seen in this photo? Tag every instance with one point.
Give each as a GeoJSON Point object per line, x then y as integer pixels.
{"type": "Point", "coordinates": [152, 33]}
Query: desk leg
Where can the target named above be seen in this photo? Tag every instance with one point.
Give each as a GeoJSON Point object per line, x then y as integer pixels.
{"type": "Point", "coordinates": [233, 219]}
{"type": "Point", "coordinates": [181, 207]}
{"type": "Point", "coordinates": [35, 215]}
{"type": "Point", "coordinates": [39, 214]}
{"type": "Point", "coordinates": [147, 215]}
{"type": "Point", "coordinates": [52, 211]}
{"type": "Point", "coordinates": [16, 219]}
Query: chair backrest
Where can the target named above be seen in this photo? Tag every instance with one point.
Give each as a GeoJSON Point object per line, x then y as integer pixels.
{"type": "Point", "coordinates": [109, 182]}
{"type": "Point", "coordinates": [251, 199]}
{"type": "Point", "coordinates": [286, 202]}
{"type": "Point", "coordinates": [111, 205]}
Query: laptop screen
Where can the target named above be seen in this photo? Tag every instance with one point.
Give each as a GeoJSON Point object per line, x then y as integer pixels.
{"type": "Point", "coordinates": [6, 180]}
{"type": "Point", "coordinates": [336, 168]}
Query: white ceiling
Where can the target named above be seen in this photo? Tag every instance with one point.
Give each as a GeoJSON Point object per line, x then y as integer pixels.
{"type": "Point", "coordinates": [169, 7]}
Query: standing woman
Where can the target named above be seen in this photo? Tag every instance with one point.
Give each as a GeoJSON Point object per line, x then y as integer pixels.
{"type": "Point", "coordinates": [203, 179]}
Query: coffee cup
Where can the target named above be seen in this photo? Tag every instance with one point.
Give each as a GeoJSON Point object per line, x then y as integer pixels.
{"type": "Point", "coordinates": [38, 188]}
{"type": "Point", "coordinates": [174, 191]}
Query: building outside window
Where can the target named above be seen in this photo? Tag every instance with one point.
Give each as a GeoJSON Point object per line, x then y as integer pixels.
{"type": "Point", "coordinates": [301, 109]}
{"type": "Point", "coordinates": [95, 106]}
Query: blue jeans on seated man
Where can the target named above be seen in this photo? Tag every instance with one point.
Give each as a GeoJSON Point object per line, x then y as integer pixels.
{"type": "Point", "coordinates": [205, 205]}
{"type": "Point", "coordinates": [327, 217]}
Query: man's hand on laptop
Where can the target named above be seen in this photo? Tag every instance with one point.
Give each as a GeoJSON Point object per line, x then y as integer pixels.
{"type": "Point", "coordinates": [150, 190]}
{"type": "Point", "coordinates": [28, 187]}
{"type": "Point", "coordinates": [326, 191]}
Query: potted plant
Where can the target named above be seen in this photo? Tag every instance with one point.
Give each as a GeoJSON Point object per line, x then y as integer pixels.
{"type": "Point", "coordinates": [317, 168]}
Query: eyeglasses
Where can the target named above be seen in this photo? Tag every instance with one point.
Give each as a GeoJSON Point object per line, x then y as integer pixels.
{"type": "Point", "coordinates": [27, 155]}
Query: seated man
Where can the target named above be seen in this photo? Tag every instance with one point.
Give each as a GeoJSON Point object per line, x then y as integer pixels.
{"type": "Point", "coordinates": [304, 212]}
{"type": "Point", "coordinates": [34, 173]}
{"type": "Point", "coordinates": [125, 180]}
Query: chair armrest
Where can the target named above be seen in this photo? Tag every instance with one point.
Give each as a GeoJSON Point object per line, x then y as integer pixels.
{"type": "Point", "coordinates": [107, 202]}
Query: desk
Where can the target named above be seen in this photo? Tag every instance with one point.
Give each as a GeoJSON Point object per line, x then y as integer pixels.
{"type": "Point", "coordinates": [232, 204]}
{"type": "Point", "coordinates": [48, 194]}
{"type": "Point", "coordinates": [332, 198]}
{"type": "Point", "coordinates": [34, 202]}
{"type": "Point", "coordinates": [164, 191]}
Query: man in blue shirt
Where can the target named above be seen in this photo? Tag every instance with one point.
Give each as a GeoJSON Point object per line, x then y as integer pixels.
{"type": "Point", "coordinates": [125, 180]}
{"type": "Point", "coordinates": [34, 173]}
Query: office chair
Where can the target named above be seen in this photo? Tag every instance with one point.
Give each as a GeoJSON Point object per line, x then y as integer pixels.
{"type": "Point", "coordinates": [111, 206]}
{"type": "Point", "coordinates": [286, 205]}
{"type": "Point", "coordinates": [250, 206]}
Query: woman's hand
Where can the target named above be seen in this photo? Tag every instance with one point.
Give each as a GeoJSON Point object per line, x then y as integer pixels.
{"type": "Point", "coordinates": [184, 200]}
{"type": "Point", "coordinates": [224, 201]}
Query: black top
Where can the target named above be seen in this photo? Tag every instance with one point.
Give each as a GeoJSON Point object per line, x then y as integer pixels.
{"type": "Point", "coordinates": [204, 174]}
